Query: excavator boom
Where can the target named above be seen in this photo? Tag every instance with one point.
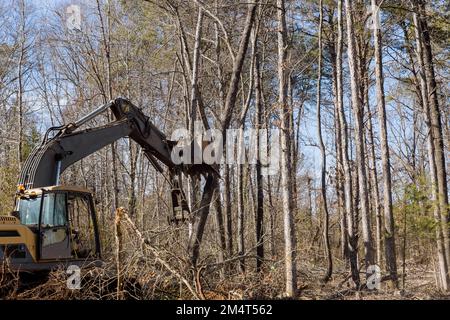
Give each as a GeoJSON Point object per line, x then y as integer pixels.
{"type": "Point", "coordinates": [49, 160]}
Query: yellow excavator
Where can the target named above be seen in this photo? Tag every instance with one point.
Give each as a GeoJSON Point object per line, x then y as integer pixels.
{"type": "Point", "coordinates": [54, 225]}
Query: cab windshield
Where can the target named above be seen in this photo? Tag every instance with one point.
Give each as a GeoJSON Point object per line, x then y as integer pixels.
{"type": "Point", "coordinates": [29, 210]}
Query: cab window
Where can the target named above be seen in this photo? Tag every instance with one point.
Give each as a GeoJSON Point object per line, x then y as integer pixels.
{"type": "Point", "coordinates": [54, 212]}
{"type": "Point", "coordinates": [29, 210]}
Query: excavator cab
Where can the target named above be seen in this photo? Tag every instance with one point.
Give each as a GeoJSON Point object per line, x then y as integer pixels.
{"type": "Point", "coordinates": [51, 226]}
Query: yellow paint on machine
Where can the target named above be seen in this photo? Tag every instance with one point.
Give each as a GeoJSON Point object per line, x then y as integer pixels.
{"type": "Point", "coordinates": [26, 236]}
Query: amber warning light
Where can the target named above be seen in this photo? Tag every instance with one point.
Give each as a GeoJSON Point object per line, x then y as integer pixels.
{"type": "Point", "coordinates": [20, 188]}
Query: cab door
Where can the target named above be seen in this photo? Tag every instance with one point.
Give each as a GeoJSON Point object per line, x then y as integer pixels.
{"type": "Point", "coordinates": [83, 226]}
{"type": "Point", "coordinates": [54, 229]}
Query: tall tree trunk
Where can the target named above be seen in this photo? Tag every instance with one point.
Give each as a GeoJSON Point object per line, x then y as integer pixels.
{"type": "Point", "coordinates": [286, 183]}
{"type": "Point", "coordinates": [106, 37]}
{"type": "Point", "coordinates": [351, 225]}
{"type": "Point", "coordinates": [389, 225]}
{"type": "Point", "coordinates": [436, 127]}
{"type": "Point", "coordinates": [374, 180]}
{"type": "Point", "coordinates": [339, 172]}
{"type": "Point", "coordinates": [259, 223]}
{"type": "Point", "coordinates": [323, 186]}
{"type": "Point", "coordinates": [272, 216]}
{"type": "Point", "coordinates": [218, 212]}
{"type": "Point", "coordinates": [20, 65]}
{"type": "Point", "coordinates": [134, 154]}
{"type": "Point", "coordinates": [371, 164]}
{"type": "Point", "coordinates": [242, 168]}
{"type": "Point", "coordinates": [229, 105]}
{"type": "Point", "coordinates": [241, 209]}
{"type": "Point", "coordinates": [360, 152]}
{"type": "Point", "coordinates": [441, 251]}
{"type": "Point", "coordinates": [193, 180]}
{"type": "Point", "coordinates": [293, 160]}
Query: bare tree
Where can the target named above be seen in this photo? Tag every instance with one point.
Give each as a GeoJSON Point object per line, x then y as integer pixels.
{"type": "Point", "coordinates": [20, 81]}
{"type": "Point", "coordinates": [108, 92]}
{"type": "Point", "coordinates": [230, 102]}
{"type": "Point", "coordinates": [436, 124]}
{"type": "Point", "coordinates": [193, 105]}
{"type": "Point", "coordinates": [323, 187]}
{"type": "Point", "coordinates": [389, 227]}
{"type": "Point", "coordinates": [440, 239]}
{"type": "Point", "coordinates": [359, 138]}
{"type": "Point", "coordinates": [286, 184]}
{"type": "Point", "coordinates": [348, 194]}
{"type": "Point", "coordinates": [259, 217]}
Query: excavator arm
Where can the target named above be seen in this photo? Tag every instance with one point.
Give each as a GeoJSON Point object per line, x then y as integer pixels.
{"type": "Point", "coordinates": [68, 145]}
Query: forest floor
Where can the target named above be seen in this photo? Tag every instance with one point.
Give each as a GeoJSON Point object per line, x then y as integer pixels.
{"type": "Point", "coordinates": [419, 285]}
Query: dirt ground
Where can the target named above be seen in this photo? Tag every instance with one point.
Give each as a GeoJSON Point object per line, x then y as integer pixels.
{"type": "Point", "coordinates": [419, 285]}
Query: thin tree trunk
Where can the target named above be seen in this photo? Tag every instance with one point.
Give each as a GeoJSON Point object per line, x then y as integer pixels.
{"type": "Point", "coordinates": [106, 36]}
{"type": "Point", "coordinates": [228, 212]}
{"type": "Point", "coordinates": [272, 212]}
{"type": "Point", "coordinates": [132, 199]}
{"type": "Point", "coordinates": [360, 153]}
{"type": "Point", "coordinates": [441, 252]}
{"type": "Point", "coordinates": [374, 181]}
{"type": "Point", "coordinates": [351, 225]}
{"type": "Point", "coordinates": [193, 180]}
{"type": "Point", "coordinates": [243, 168]}
{"type": "Point", "coordinates": [20, 114]}
{"type": "Point", "coordinates": [389, 225]}
{"type": "Point", "coordinates": [259, 228]}
{"type": "Point", "coordinates": [132, 190]}
{"type": "Point", "coordinates": [220, 233]}
{"type": "Point", "coordinates": [221, 236]}
{"type": "Point", "coordinates": [230, 100]}
{"type": "Point", "coordinates": [286, 183]}
{"type": "Point", "coordinates": [240, 194]}
{"type": "Point", "coordinates": [436, 127]}
{"type": "Point", "coordinates": [323, 187]}
{"type": "Point", "coordinates": [241, 210]}
{"type": "Point", "coordinates": [338, 139]}
{"type": "Point", "coordinates": [372, 163]}
{"type": "Point", "coordinates": [293, 172]}
{"type": "Point", "coordinates": [229, 105]}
